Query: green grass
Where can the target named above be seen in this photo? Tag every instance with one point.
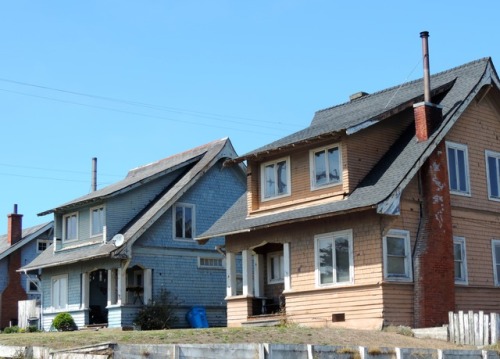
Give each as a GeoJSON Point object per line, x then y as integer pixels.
{"type": "Point", "coordinates": [281, 335]}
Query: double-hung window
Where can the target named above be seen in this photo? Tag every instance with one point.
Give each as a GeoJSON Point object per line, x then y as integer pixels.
{"type": "Point", "coordinates": [325, 167]}
{"type": "Point", "coordinates": [184, 221]}
{"type": "Point", "coordinates": [70, 226]}
{"type": "Point", "coordinates": [275, 268]}
{"type": "Point", "coordinates": [97, 219]}
{"type": "Point", "coordinates": [60, 292]}
{"type": "Point", "coordinates": [458, 168]}
{"type": "Point", "coordinates": [460, 260]}
{"type": "Point", "coordinates": [397, 256]}
{"type": "Point", "coordinates": [334, 258]}
{"type": "Point", "coordinates": [495, 248]}
{"type": "Point", "coordinates": [275, 179]}
{"type": "Point", "coordinates": [493, 174]}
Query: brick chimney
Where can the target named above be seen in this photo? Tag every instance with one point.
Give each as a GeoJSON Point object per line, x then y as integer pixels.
{"type": "Point", "coordinates": [14, 227]}
{"type": "Point", "coordinates": [434, 272]}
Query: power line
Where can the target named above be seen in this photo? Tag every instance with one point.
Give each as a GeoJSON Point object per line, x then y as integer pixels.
{"type": "Point", "coordinates": [54, 170]}
{"type": "Point", "coordinates": [142, 114]}
{"type": "Point", "coordinates": [226, 118]}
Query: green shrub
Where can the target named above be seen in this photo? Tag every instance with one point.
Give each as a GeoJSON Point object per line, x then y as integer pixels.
{"type": "Point", "coordinates": [32, 329]}
{"type": "Point", "coordinates": [64, 322]}
{"type": "Point", "coordinates": [158, 314]}
{"type": "Point", "coordinates": [10, 330]}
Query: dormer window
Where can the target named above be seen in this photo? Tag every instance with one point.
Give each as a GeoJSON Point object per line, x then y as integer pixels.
{"type": "Point", "coordinates": [325, 167]}
{"type": "Point", "coordinates": [96, 220]}
{"type": "Point", "coordinates": [70, 226]}
{"type": "Point", "coordinates": [275, 179]}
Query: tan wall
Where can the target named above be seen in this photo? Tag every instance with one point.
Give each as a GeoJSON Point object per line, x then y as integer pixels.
{"type": "Point", "coordinates": [237, 310]}
{"type": "Point", "coordinates": [356, 163]}
{"type": "Point", "coordinates": [398, 304]}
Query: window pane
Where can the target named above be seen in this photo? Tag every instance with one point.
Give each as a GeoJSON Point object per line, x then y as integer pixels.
{"type": "Point", "coordinates": [282, 177]}
{"type": "Point", "coordinates": [70, 227]}
{"type": "Point", "coordinates": [188, 225]}
{"type": "Point", "coordinates": [493, 176]}
{"type": "Point", "coordinates": [320, 167]}
{"type": "Point", "coordinates": [396, 266]}
{"type": "Point", "coordinates": [457, 251]}
{"type": "Point", "coordinates": [452, 169]}
{"type": "Point", "coordinates": [333, 164]}
{"type": "Point", "coordinates": [269, 190]}
{"type": "Point", "coordinates": [396, 246]}
{"type": "Point", "coordinates": [179, 218]}
{"type": "Point", "coordinates": [97, 221]}
{"type": "Point", "coordinates": [342, 259]}
{"type": "Point", "coordinates": [325, 261]}
{"type": "Point", "coordinates": [497, 255]}
{"type": "Point", "coordinates": [461, 171]}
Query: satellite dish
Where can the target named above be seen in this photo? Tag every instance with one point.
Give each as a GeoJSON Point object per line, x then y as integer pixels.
{"type": "Point", "coordinates": [118, 240]}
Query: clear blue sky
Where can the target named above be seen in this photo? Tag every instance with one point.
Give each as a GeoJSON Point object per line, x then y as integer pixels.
{"type": "Point", "coordinates": [131, 82]}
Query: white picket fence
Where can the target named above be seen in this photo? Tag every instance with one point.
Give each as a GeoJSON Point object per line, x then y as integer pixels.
{"type": "Point", "coordinates": [471, 328]}
{"type": "Point", "coordinates": [27, 312]}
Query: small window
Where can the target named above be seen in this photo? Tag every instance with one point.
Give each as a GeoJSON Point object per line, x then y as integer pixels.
{"type": "Point", "coordinates": [460, 260]}
{"type": "Point", "coordinates": [275, 179]}
{"type": "Point", "coordinates": [70, 226]}
{"type": "Point", "coordinates": [495, 247]}
{"type": "Point", "coordinates": [42, 244]}
{"type": "Point", "coordinates": [397, 257]}
{"type": "Point", "coordinates": [275, 268]}
{"type": "Point", "coordinates": [458, 168]}
{"type": "Point", "coordinates": [60, 292]}
{"type": "Point", "coordinates": [493, 174]}
{"type": "Point", "coordinates": [214, 263]}
{"type": "Point", "coordinates": [97, 220]}
{"type": "Point", "coordinates": [184, 220]}
{"type": "Point", "coordinates": [334, 259]}
{"type": "Point", "coordinates": [325, 167]}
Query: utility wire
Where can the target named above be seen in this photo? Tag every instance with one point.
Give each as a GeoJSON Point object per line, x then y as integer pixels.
{"type": "Point", "coordinates": [152, 106]}
{"type": "Point", "coordinates": [54, 170]}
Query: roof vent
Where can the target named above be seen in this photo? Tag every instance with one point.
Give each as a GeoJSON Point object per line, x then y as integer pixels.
{"type": "Point", "coordinates": [357, 95]}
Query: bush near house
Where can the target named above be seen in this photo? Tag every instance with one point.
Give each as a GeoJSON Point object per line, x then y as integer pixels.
{"type": "Point", "coordinates": [158, 314]}
{"type": "Point", "coordinates": [64, 322]}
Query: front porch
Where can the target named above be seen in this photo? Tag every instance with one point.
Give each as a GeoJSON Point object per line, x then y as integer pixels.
{"type": "Point", "coordinates": [256, 296]}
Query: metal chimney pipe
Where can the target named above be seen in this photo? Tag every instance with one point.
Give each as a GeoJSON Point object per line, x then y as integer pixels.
{"type": "Point", "coordinates": [15, 209]}
{"type": "Point", "coordinates": [425, 54]}
{"type": "Point", "coordinates": [94, 174]}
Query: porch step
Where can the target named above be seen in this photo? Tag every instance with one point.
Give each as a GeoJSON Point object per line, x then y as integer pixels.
{"type": "Point", "coordinates": [94, 326]}
{"type": "Point", "coordinates": [263, 321]}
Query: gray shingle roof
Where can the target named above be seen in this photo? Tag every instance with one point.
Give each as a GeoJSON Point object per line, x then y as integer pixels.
{"type": "Point", "coordinates": [396, 168]}
{"type": "Point", "coordinates": [200, 159]}
{"type": "Point", "coordinates": [28, 235]}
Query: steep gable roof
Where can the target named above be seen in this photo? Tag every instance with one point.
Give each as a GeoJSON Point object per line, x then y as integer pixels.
{"type": "Point", "coordinates": [197, 162]}
{"type": "Point", "coordinates": [456, 89]}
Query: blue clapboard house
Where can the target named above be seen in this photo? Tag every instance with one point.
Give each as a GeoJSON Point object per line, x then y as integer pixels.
{"type": "Point", "coordinates": [117, 248]}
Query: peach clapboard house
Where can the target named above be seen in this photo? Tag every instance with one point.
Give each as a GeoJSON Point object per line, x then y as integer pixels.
{"type": "Point", "coordinates": [385, 210]}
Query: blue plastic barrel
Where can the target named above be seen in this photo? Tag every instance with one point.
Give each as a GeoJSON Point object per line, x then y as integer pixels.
{"type": "Point", "coordinates": [197, 317]}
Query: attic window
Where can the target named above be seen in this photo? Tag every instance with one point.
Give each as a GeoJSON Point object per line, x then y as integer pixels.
{"type": "Point", "coordinates": [275, 179]}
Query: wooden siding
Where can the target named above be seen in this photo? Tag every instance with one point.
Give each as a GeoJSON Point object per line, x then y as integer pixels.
{"type": "Point", "coordinates": [361, 306]}
{"type": "Point", "coordinates": [477, 298]}
{"type": "Point", "coordinates": [238, 309]}
{"type": "Point", "coordinates": [398, 303]}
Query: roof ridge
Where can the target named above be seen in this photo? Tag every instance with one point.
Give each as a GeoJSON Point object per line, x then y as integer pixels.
{"type": "Point", "coordinates": [392, 88]}
{"type": "Point", "coordinates": [205, 147]}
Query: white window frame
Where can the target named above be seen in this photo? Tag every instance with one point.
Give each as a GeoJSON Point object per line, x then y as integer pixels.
{"type": "Point", "coordinates": [65, 239]}
{"type": "Point", "coordinates": [405, 235]}
{"type": "Point", "coordinates": [36, 282]}
{"type": "Point", "coordinates": [55, 286]}
{"type": "Point", "coordinates": [458, 147]}
{"type": "Point", "coordinates": [463, 264]}
{"type": "Point", "coordinates": [211, 263]}
{"type": "Point", "coordinates": [333, 236]}
{"type": "Point", "coordinates": [91, 210]}
{"type": "Point", "coordinates": [263, 179]}
{"type": "Point", "coordinates": [39, 241]}
{"type": "Point", "coordinates": [496, 156]}
{"type": "Point", "coordinates": [281, 264]}
{"type": "Point", "coordinates": [496, 265]}
{"type": "Point", "coordinates": [193, 221]}
{"type": "Point", "coordinates": [312, 166]}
